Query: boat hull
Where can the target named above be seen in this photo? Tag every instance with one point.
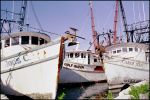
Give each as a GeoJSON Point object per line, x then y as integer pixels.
{"type": "Point", "coordinates": [69, 75]}
{"type": "Point", "coordinates": [34, 73]}
{"type": "Point", "coordinates": [120, 71]}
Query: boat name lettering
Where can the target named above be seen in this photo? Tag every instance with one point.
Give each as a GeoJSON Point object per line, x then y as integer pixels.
{"type": "Point", "coordinates": [16, 61]}
{"type": "Point", "coordinates": [68, 65]}
{"type": "Point", "coordinates": [136, 64]}
{"type": "Point", "coordinates": [13, 62]}
{"type": "Point", "coordinates": [75, 66]}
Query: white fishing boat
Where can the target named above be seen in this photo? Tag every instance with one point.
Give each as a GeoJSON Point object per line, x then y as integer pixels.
{"type": "Point", "coordinates": [82, 67]}
{"type": "Point", "coordinates": [30, 61]}
{"type": "Point", "coordinates": [126, 63]}
{"type": "Point", "coordinates": [30, 67]}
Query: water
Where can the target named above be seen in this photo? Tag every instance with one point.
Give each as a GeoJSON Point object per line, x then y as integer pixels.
{"type": "Point", "coordinates": [81, 91]}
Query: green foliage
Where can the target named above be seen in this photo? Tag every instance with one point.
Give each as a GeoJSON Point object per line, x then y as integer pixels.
{"type": "Point", "coordinates": [61, 96]}
{"type": "Point", "coordinates": [109, 95]}
{"type": "Point", "coordinates": [136, 90]}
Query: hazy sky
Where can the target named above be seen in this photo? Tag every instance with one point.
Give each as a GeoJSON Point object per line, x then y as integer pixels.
{"type": "Point", "coordinates": [58, 16]}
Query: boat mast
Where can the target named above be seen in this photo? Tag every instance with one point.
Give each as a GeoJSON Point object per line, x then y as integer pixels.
{"type": "Point", "coordinates": [22, 14]}
{"type": "Point", "coordinates": [124, 20]}
{"type": "Point", "coordinates": [115, 22]}
{"type": "Point", "coordinates": [94, 33]}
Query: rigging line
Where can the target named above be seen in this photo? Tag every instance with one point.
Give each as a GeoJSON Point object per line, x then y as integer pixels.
{"type": "Point", "coordinates": [139, 11]}
{"type": "Point", "coordinates": [134, 12]}
{"type": "Point", "coordinates": [108, 17]}
{"type": "Point", "coordinates": [38, 29]}
{"type": "Point", "coordinates": [92, 43]}
{"type": "Point", "coordinates": [143, 10]}
{"type": "Point", "coordinates": [38, 22]}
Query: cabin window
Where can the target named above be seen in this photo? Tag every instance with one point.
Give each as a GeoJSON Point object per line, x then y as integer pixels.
{"type": "Point", "coordinates": [34, 40]}
{"type": "Point", "coordinates": [83, 55]}
{"type": "Point", "coordinates": [130, 49]}
{"type": "Point", "coordinates": [24, 39]}
{"type": "Point", "coordinates": [7, 42]}
{"type": "Point", "coordinates": [118, 51]}
{"type": "Point", "coordinates": [71, 55]}
{"type": "Point", "coordinates": [15, 40]}
{"type": "Point", "coordinates": [114, 52]}
{"type": "Point", "coordinates": [136, 49]}
{"type": "Point", "coordinates": [95, 60]}
{"type": "Point", "coordinates": [77, 55]}
{"type": "Point", "coordinates": [124, 49]}
{"type": "Point", "coordinates": [41, 41]}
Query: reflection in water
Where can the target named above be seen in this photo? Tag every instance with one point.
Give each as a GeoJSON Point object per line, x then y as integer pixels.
{"type": "Point", "coordinates": [81, 91]}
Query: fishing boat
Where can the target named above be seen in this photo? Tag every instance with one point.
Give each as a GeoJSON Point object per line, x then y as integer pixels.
{"type": "Point", "coordinates": [30, 62]}
{"type": "Point", "coordinates": [29, 68]}
{"type": "Point", "coordinates": [80, 66]}
{"type": "Point", "coordinates": [127, 62]}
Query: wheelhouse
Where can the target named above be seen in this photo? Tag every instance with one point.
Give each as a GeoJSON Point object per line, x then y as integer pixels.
{"type": "Point", "coordinates": [83, 57]}
{"type": "Point", "coordinates": [24, 38]}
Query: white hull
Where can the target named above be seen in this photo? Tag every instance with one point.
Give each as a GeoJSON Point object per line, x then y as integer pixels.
{"type": "Point", "coordinates": [35, 71]}
{"type": "Point", "coordinates": [120, 71]}
{"type": "Point", "coordinates": [81, 74]}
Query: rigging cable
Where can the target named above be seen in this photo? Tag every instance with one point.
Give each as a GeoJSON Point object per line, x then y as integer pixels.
{"type": "Point", "coordinates": [38, 22]}
{"type": "Point", "coordinates": [139, 11]}
{"type": "Point", "coordinates": [143, 10]}
{"type": "Point", "coordinates": [108, 17]}
{"type": "Point", "coordinates": [134, 12]}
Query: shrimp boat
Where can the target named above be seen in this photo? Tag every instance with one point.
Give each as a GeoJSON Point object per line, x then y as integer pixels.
{"type": "Point", "coordinates": [81, 66]}
{"type": "Point", "coordinates": [30, 63]}
{"type": "Point", "coordinates": [128, 62]}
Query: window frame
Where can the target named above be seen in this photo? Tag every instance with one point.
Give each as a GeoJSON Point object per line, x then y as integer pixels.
{"type": "Point", "coordinates": [32, 41]}
{"type": "Point", "coordinates": [24, 43]}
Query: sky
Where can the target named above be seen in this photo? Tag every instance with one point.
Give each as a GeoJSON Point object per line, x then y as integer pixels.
{"type": "Point", "coordinates": [58, 16]}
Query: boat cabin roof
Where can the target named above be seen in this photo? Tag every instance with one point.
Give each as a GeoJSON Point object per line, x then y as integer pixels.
{"type": "Point", "coordinates": [36, 34]}
{"type": "Point", "coordinates": [145, 47]}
